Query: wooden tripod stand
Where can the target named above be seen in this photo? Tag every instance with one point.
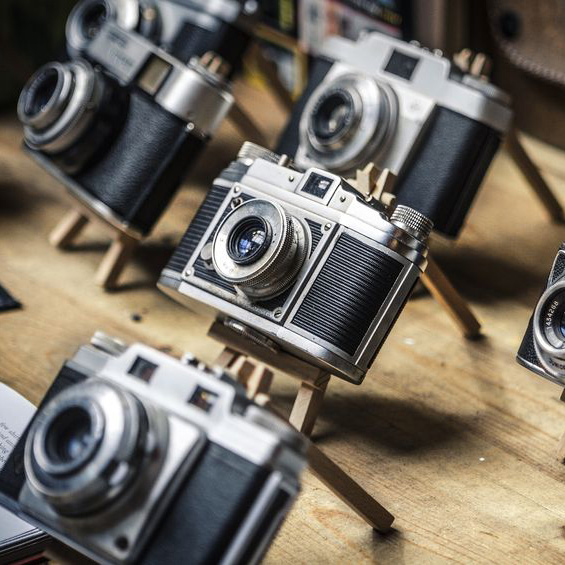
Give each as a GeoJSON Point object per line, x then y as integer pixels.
{"type": "Point", "coordinates": [124, 240]}
{"type": "Point", "coordinates": [257, 379]}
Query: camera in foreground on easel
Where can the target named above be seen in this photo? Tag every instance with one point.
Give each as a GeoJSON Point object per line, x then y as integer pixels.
{"type": "Point", "coordinates": [300, 261]}
{"type": "Point", "coordinates": [135, 456]}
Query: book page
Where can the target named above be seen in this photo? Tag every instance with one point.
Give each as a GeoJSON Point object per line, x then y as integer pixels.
{"type": "Point", "coordinates": [15, 414]}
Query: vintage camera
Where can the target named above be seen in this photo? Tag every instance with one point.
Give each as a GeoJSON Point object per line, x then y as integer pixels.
{"type": "Point", "coordinates": [184, 28]}
{"type": "Point", "coordinates": [299, 262]}
{"type": "Point", "coordinates": [406, 109]}
{"type": "Point", "coordinates": [134, 456]}
{"type": "Point", "coordinates": [543, 347]}
{"type": "Point", "coordinates": [120, 127]}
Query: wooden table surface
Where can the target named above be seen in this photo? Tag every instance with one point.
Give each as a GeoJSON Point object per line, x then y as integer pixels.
{"type": "Point", "coordinates": [454, 437]}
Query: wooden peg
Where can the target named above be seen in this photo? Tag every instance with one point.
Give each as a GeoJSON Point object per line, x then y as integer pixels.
{"type": "Point", "coordinates": [246, 126]}
{"type": "Point", "coordinates": [373, 183]}
{"type": "Point", "coordinates": [68, 229]}
{"type": "Point", "coordinates": [439, 286]}
{"type": "Point", "coordinates": [308, 404]}
{"type": "Point", "coordinates": [115, 260]}
{"type": "Point", "coordinates": [535, 180]}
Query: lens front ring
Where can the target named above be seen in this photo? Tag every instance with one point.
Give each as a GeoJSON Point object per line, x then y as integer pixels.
{"type": "Point", "coordinates": [273, 269]}
{"type": "Point", "coordinates": [549, 330]}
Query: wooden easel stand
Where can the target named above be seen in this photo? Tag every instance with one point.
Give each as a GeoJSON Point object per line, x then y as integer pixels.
{"type": "Point", "coordinates": [257, 379]}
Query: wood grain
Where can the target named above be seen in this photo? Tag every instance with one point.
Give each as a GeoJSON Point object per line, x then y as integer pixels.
{"type": "Point", "coordinates": [452, 436]}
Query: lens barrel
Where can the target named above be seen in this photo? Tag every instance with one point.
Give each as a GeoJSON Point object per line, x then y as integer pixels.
{"type": "Point", "coordinates": [260, 249]}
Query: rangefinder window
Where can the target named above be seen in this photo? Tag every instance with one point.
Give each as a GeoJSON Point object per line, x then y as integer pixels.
{"type": "Point", "coordinates": [402, 65]}
{"type": "Point", "coordinates": [317, 185]}
{"type": "Point", "coordinates": [203, 399]}
{"type": "Point", "coordinates": [143, 369]}
{"type": "Point", "coordinates": [154, 74]}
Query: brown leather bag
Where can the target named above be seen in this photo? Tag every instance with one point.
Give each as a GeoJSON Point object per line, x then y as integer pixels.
{"type": "Point", "coordinates": [530, 63]}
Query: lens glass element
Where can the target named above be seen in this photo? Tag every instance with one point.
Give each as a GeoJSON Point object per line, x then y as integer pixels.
{"type": "Point", "coordinates": [69, 436]}
{"type": "Point", "coordinates": [332, 115]}
{"type": "Point", "coordinates": [249, 240]}
{"type": "Point", "coordinates": [92, 20]}
{"type": "Point", "coordinates": [41, 91]}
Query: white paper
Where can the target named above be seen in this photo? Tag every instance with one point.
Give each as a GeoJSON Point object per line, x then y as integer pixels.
{"type": "Point", "coordinates": [15, 414]}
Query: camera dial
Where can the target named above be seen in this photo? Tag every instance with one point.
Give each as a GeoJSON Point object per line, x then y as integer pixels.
{"type": "Point", "coordinates": [88, 16]}
{"type": "Point", "coordinates": [348, 121]}
{"type": "Point", "coordinates": [260, 249]}
{"type": "Point", "coordinates": [549, 330]}
{"type": "Point", "coordinates": [88, 445]}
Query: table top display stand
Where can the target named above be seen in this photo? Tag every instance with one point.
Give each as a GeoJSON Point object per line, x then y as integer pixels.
{"type": "Point", "coordinates": [257, 379]}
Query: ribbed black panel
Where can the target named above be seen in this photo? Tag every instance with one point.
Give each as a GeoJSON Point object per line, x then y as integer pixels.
{"type": "Point", "coordinates": [315, 234]}
{"type": "Point", "coordinates": [347, 293]}
{"type": "Point", "coordinates": [197, 228]}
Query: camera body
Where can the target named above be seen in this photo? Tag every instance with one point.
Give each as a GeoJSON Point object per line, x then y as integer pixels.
{"type": "Point", "coordinates": [183, 28]}
{"type": "Point", "coordinates": [120, 127]}
{"type": "Point", "coordinates": [134, 456]}
{"type": "Point", "coordinates": [299, 262]}
{"type": "Point", "coordinates": [406, 109]}
{"type": "Point", "coordinates": [543, 347]}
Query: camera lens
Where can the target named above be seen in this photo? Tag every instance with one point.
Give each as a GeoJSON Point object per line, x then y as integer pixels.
{"type": "Point", "coordinates": [260, 249]}
{"type": "Point", "coordinates": [333, 115]}
{"type": "Point", "coordinates": [249, 240]}
{"type": "Point", "coordinates": [347, 121]}
{"type": "Point", "coordinates": [93, 19]}
{"type": "Point", "coordinates": [41, 91]}
{"type": "Point", "coordinates": [87, 446]}
{"type": "Point", "coordinates": [69, 438]}
{"type": "Point", "coordinates": [552, 319]}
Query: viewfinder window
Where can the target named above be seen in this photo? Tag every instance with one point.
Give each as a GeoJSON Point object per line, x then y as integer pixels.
{"type": "Point", "coordinates": [401, 65]}
{"type": "Point", "coordinates": [153, 75]}
{"type": "Point", "coordinates": [317, 185]}
{"type": "Point", "coordinates": [143, 369]}
{"type": "Point", "coordinates": [203, 399]}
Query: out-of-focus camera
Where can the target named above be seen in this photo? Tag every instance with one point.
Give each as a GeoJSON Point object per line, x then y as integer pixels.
{"type": "Point", "coordinates": [406, 109]}
{"type": "Point", "coordinates": [299, 261]}
{"type": "Point", "coordinates": [184, 28]}
{"type": "Point", "coordinates": [543, 347]}
{"type": "Point", "coordinates": [134, 456]}
{"type": "Point", "coordinates": [120, 127]}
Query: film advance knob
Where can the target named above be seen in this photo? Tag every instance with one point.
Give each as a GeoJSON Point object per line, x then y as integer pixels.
{"type": "Point", "coordinates": [413, 222]}
{"type": "Point", "coordinates": [250, 151]}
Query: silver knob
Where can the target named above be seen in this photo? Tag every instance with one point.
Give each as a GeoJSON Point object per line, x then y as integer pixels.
{"type": "Point", "coordinates": [413, 222]}
{"type": "Point", "coordinates": [250, 151]}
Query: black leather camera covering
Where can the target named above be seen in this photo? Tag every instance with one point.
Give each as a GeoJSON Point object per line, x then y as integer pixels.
{"type": "Point", "coordinates": [143, 167]}
{"type": "Point", "coordinates": [290, 138]}
{"type": "Point", "coordinates": [444, 173]}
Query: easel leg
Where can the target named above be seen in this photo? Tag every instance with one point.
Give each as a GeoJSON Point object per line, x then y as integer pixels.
{"type": "Point", "coordinates": [561, 446]}
{"type": "Point", "coordinates": [445, 293]}
{"type": "Point", "coordinates": [246, 126]}
{"type": "Point", "coordinates": [534, 178]}
{"type": "Point", "coordinates": [347, 490]}
{"type": "Point", "coordinates": [115, 260]}
{"type": "Point", "coordinates": [308, 404]}
{"type": "Point", "coordinates": [68, 229]}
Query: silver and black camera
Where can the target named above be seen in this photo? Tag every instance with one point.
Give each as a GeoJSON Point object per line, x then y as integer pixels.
{"type": "Point", "coordinates": [299, 262]}
{"type": "Point", "coordinates": [184, 28]}
{"type": "Point", "coordinates": [137, 457]}
{"type": "Point", "coordinates": [120, 127]}
{"type": "Point", "coordinates": [543, 347]}
{"type": "Point", "coordinates": [404, 108]}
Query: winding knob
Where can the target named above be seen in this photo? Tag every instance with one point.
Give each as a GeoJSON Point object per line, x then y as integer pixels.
{"type": "Point", "coordinates": [413, 222]}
